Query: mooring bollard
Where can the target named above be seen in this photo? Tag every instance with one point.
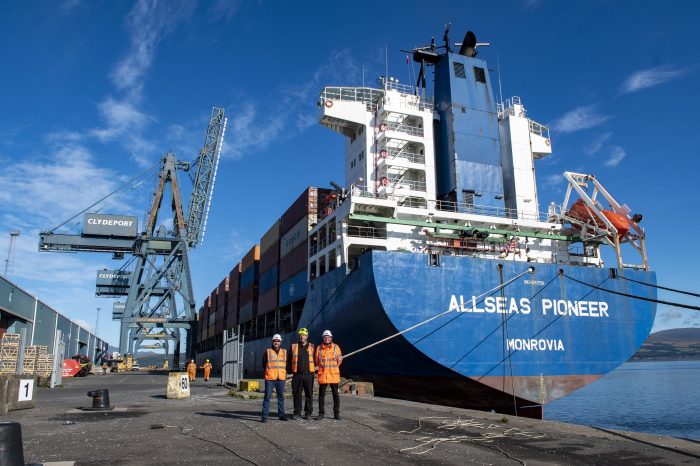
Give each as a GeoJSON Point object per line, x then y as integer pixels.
{"type": "Point", "coordinates": [11, 451]}
{"type": "Point", "coordinates": [100, 400]}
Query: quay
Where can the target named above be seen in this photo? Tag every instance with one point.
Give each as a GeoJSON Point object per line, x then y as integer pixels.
{"type": "Point", "coordinates": [211, 428]}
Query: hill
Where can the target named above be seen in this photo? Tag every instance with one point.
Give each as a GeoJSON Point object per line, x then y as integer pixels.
{"type": "Point", "coordinates": [677, 343]}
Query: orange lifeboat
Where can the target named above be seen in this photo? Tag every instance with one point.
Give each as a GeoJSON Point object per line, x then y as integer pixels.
{"type": "Point", "coordinates": [583, 213]}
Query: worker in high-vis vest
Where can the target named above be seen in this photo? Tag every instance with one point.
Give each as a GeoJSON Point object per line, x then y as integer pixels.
{"type": "Point", "coordinates": [328, 360]}
{"type": "Point", "coordinates": [275, 365]}
{"type": "Point", "coordinates": [192, 370]}
{"type": "Point", "coordinates": [207, 370]}
{"type": "Point", "coordinates": [301, 364]}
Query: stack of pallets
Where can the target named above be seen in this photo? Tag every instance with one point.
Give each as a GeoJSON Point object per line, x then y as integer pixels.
{"type": "Point", "coordinates": [9, 353]}
{"type": "Point", "coordinates": [44, 362]}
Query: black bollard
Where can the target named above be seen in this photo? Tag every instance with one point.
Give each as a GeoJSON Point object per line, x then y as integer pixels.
{"type": "Point", "coordinates": [100, 400]}
{"type": "Point", "coordinates": [11, 451]}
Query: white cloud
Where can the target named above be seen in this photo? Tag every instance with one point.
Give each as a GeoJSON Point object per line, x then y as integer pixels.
{"type": "Point", "coordinates": [597, 143]}
{"type": "Point", "coordinates": [148, 22]}
{"type": "Point", "coordinates": [253, 126]}
{"type": "Point", "coordinates": [224, 9]}
{"type": "Point", "coordinates": [616, 155]}
{"type": "Point", "coordinates": [553, 181]}
{"type": "Point", "coordinates": [650, 77]}
{"type": "Point", "coordinates": [578, 119]}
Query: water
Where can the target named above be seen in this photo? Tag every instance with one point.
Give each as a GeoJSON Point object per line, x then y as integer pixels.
{"type": "Point", "coordinates": [659, 397]}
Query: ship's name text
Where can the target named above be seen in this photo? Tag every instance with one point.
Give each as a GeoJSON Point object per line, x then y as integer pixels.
{"type": "Point", "coordinates": [506, 305]}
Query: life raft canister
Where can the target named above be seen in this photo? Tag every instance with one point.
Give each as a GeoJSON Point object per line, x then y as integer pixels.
{"type": "Point", "coordinates": [328, 103]}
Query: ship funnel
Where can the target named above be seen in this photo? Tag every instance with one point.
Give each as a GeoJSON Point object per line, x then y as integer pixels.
{"type": "Point", "coordinates": [468, 48]}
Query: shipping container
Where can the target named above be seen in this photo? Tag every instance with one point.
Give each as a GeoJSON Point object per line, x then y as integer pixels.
{"type": "Point", "coordinates": [267, 301]}
{"type": "Point", "coordinates": [246, 314]}
{"type": "Point", "coordinates": [293, 289]}
{"type": "Point", "coordinates": [270, 237]}
{"type": "Point", "coordinates": [250, 276]}
{"type": "Point", "coordinates": [293, 262]}
{"type": "Point", "coordinates": [200, 317]}
{"type": "Point", "coordinates": [205, 318]}
{"type": "Point", "coordinates": [268, 279]}
{"type": "Point", "coordinates": [270, 257]}
{"type": "Point", "coordinates": [247, 295]}
{"type": "Point", "coordinates": [233, 298]}
{"type": "Point", "coordinates": [297, 235]}
{"type": "Point", "coordinates": [252, 256]}
{"type": "Point", "coordinates": [221, 306]}
{"type": "Point", "coordinates": [306, 205]}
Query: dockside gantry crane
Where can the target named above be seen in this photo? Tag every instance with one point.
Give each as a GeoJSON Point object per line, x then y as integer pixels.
{"type": "Point", "coordinates": [159, 296]}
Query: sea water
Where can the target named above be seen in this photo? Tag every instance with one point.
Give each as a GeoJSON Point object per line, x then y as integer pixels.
{"type": "Point", "coordinates": [655, 397]}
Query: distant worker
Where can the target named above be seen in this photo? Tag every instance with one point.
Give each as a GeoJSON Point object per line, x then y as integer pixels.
{"type": "Point", "coordinates": [275, 364]}
{"type": "Point", "coordinates": [207, 370]}
{"type": "Point", "coordinates": [328, 361]}
{"type": "Point", "coordinates": [301, 363]}
{"type": "Point", "coordinates": [104, 368]}
{"type": "Point", "coordinates": [192, 370]}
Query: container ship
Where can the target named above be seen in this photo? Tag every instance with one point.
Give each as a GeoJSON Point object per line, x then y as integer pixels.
{"type": "Point", "coordinates": [436, 245]}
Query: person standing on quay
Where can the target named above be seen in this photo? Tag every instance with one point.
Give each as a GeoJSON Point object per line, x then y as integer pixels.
{"type": "Point", "coordinates": [301, 363]}
{"type": "Point", "coordinates": [192, 370]}
{"type": "Point", "coordinates": [207, 370]}
{"type": "Point", "coordinates": [275, 364]}
{"type": "Point", "coordinates": [328, 361]}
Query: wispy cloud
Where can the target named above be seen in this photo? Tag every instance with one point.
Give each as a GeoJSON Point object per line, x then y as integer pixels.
{"type": "Point", "coordinates": [148, 23]}
{"type": "Point", "coordinates": [651, 77]}
{"type": "Point", "coordinates": [224, 9]}
{"type": "Point", "coordinates": [255, 126]}
{"type": "Point", "coordinates": [578, 119]}
{"type": "Point", "coordinates": [597, 144]}
{"type": "Point", "coordinates": [616, 155]}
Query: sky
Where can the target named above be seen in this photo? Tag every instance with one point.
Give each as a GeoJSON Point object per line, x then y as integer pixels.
{"type": "Point", "coordinates": [94, 92]}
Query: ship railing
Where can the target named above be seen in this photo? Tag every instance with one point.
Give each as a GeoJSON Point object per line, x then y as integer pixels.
{"type": "Point", "coordinates": [398, 182]}
{"type": "Point", "coordinates": [367, 95]}
{"type": "Point", "coordinates": [412, 157]}
{"type": "Point", "coordinates": [539, 129]}
{"type": "Point", "coordinates": [361, 231]}
{"type": "Point", "coordinates": [402, 88]}
{"type": "Point", "coordinates": [422, 103]}
{"type": "Point", "coordinates": [404, 128]}
{"type": "Point", "coordinates": [459, 207]}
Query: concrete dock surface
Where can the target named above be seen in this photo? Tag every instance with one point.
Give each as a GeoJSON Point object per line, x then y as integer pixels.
{"type": "Point", "coordinates": [214, 428]}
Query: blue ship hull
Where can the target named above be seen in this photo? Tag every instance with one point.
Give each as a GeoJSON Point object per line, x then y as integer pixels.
{"type": "Point", "coordinates": [540, 338]}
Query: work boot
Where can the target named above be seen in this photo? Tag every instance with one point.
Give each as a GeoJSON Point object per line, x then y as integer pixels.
{"type": "Point", "coordinates": [293, 417]}
{"type": "Point", "coordinates": [283, 418]}
{"type": "Point", "coordinates": [263, 420]}
{"type": "Point", "coordinates": [305, 417]}
{"type": "Point", "coordinates": [336, 417]}
{"type": "Point", "coordinates": [320, 417]}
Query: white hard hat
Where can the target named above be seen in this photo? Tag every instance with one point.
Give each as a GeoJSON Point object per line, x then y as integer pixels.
{"type": "Point", "coordinates": [277, 337]}
{"type": "Point", "coordinates": [327, 333]}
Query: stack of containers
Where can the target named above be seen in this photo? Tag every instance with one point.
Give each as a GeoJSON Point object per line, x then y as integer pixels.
{"type": "Point", "coordinates": [294, 230]}
{"type": "Point", "coordinates": [248, 291]}
{"type": "Point", "coordinates": [269, 258]}
{"type": "Point", "coordinates": [221, 303]}
{"type": "Point", "coordinates": [200, 324]}
{"type": "Point", "coordinates": [204, 322]}
{"type": "Point", "coordinates": [212, 313]}
{"type": "Point", "coordinates": [234, 278]}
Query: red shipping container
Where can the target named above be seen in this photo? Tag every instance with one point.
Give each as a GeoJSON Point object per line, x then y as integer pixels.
{"type": "Point", "coordinates": [252, 256]}
{"type": "Point", "coordinates": [247, 295]}
{"type": "Point", "coordinates": [267, 301]}
{"type": "Point", "coordinates": [269, 257]}
{"type": "Point", "coordinates": [232, 303]}
{"type": "Point", "coordinates": [221, 306]}
{"type": "Point", "coordinates": [294, 262]}
{"type": "Point", "coordinates": [308, 204]}
{"type": "Point", "coordinates": [205, 317]}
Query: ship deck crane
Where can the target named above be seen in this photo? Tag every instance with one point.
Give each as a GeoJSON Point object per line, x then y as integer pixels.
{"type": "Point", "coordinates": [159, 296]}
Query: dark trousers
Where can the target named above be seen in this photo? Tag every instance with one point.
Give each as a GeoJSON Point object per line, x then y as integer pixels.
{"type": "Point", "coordinates": [303, 382]}
{"type": "Point", "coordinates": [278, 385]}
{"type": "Point", "coordinates": [322, 398]}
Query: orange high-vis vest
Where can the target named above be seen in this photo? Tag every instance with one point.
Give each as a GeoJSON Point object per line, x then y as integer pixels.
{"type": "Point", "coordinates": [276, 368]}
{"type": "Point", "coordinates": [327, 363]}
{"type": "Point", "coordinates": [295, 357]}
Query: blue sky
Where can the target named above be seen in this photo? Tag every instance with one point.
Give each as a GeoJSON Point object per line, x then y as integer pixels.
{"type": "Point", "coordinates": [92, 92]}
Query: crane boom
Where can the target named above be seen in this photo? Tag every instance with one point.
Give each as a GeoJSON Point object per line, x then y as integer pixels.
{"type": "Point", "coordinates": [203, 184]}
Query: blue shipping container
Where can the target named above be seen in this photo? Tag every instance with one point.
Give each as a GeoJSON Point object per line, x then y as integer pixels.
{"type": "Point", "coordinates": [268, 279]}
{"type": "Point", "coordinates": [249, 275]}
{"type": "Point", "coordinates": [293, 288]}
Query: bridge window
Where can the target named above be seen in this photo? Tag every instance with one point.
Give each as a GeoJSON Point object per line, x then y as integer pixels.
{"type": "Point", "coordinates": [479, 75]}
{"type": "Point", "coordinates": [459, 70]}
